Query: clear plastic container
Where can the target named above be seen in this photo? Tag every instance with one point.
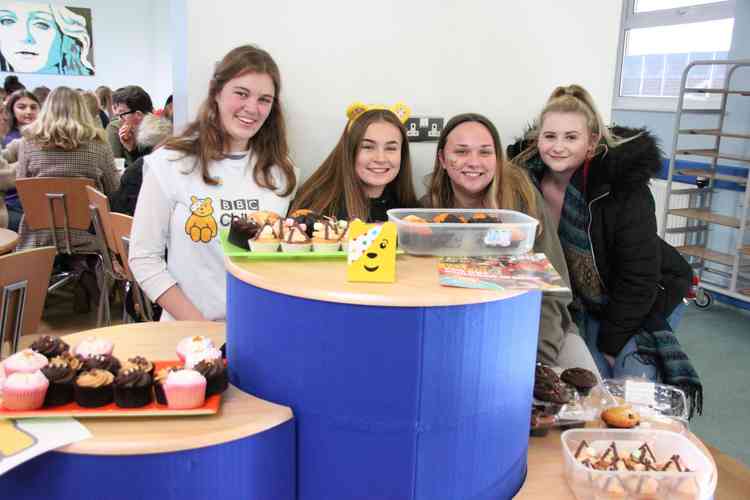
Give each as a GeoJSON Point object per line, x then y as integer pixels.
{"type": "Point", "coordinates": [590, 484]}
{"type": "Point", "coordinates": [664, 400]}
{"type": "Point", "coordinates": [513, 236]}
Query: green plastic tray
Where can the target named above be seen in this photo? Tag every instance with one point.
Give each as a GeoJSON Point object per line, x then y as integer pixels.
{"type": "Point", "coordinates": [231, 250]}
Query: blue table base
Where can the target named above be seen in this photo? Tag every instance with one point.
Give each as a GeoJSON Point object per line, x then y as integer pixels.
{"type": "Point", "coordinates": [256, 467]}
{"type": "Point", "coordinates": [393, 402]}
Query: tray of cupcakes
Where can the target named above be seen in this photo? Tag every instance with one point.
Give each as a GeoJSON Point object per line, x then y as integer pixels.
{"type": "Point", "coordinates": [304, 234]}
{"type": "Point", "coordinates": [51, 379]}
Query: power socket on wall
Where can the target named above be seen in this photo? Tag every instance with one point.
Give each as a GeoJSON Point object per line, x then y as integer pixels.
{"type": "Point", "coordinates": [423, 129]}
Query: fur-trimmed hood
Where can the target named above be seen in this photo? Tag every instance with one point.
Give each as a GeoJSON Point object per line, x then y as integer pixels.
{"type": "Point", "coordinates": [622, 168]}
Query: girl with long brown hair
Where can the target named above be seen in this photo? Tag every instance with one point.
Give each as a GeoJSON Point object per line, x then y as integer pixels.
{"type": "Point", "coordinates": [231, 160]}
{"type": "Point", "coordinates": [367, 173]}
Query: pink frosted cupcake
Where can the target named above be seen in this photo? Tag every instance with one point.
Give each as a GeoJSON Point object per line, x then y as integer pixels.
{"type": "Point", "coordinates": [185, 389]}
{"type": "Point", "coordinates": [26, 361]}
{"type": "Point", "coordinates": [197, 343]}
{"type": "Point", "coordinates": [193, 358]}
{"type": "Point", "coordinates": [24, 391]}
{"type": "Point", "coordinates": [92, 346]}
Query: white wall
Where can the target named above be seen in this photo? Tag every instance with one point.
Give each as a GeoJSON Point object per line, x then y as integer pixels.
{"type": "Point", "coordinates": [442, 58]}
{"type": "Point", "coordinates": [131, 47]}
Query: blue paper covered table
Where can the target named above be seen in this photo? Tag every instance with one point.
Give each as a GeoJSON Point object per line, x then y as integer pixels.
{"type": "Point", "coordinates": [407, 390]}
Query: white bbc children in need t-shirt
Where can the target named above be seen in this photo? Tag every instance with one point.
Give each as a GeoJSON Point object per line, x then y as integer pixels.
{"type": "Point", "coordinates": [176, 210]}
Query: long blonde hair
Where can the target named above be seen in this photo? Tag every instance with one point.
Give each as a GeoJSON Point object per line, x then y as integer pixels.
{"type": "Point", "coordinates": [205, 137]}
{"type": "Point", "coordinates": [335, 182]}
{"type": "Point", "coordinates": [510, 187]}
{"type": "Point", "coordinates": [573, 99]}
{"type": "Point", "coordinates": [64, 122]}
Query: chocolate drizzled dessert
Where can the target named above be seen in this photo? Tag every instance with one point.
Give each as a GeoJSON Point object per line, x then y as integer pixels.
{"type": "Point", "coordinates": [242, 229]}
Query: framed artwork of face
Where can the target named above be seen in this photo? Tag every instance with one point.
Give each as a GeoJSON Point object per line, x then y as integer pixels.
{"type": "Point", "coordinates": [45, 38]}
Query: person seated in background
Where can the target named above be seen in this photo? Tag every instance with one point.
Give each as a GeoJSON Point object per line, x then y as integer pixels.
{"type": "Point", "coordinates": [129, 105]}
{"type": "Point", "coordinates": [65, 141]}
{"type": "Point", "coordinates": [41, 93]}
{"type": "Point", "coordinates": [628, 283]}
{"type": "Point", "coordinates": [104, 94]}
{"type": "Point", "coordinates": [11, 84]}
{"type": "Point", "coordinates": [471, 172]}
{"type": "Point", "coordinates": [368, 172]}
{"type": "Point", "coordinates": [92, 104]}
{"type": "Point", "coordinates": [152, 132]}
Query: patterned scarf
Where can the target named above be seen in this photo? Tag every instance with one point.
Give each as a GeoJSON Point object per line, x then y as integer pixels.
{"type": "Point", "coordinates": [658, 346]}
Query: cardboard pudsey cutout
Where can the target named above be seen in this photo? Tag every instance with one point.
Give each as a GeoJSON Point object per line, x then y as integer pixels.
{"type": "Point", "coordinates": [372, 252]}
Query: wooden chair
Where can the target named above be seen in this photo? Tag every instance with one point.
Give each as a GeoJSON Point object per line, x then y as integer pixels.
{"type": "Point", "coordinates": [57, 204]}
{"type": "Point", "coordinates": [121, 226]}
{"type": "Point", "coordinates": [112, 265]}
{"type": "Point", "coordinates": [24, 277]}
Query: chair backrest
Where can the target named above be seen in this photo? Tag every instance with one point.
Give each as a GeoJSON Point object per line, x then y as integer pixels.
{"type": "Point", "coordinates": [121, 225]}
{"type": "Point", "coordinates": [100, 201]}
{"type": "Point", "coordinates": [55, 202]}
{"type": "Point", "coordinates": [24, 277]}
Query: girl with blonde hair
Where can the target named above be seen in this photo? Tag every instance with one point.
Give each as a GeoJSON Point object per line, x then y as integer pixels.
{"type": "Point", "coordinates": [625, 279]}
{"type": "Point", "coordinates": [471, 172]}
{"type": "Point", "coordinates": [230, 161]}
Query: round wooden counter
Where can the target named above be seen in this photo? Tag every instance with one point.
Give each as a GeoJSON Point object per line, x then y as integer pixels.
{"type": "Point", "coordinates": [244, 451]}
{"type": "Point", "coordinates": [407, 390]}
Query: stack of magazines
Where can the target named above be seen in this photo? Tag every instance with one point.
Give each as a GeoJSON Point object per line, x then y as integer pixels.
{"type": "Point", "coordinates": [504, 272]}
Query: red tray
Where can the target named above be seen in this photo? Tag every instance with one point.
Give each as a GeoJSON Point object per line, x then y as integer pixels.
{"type": "Point", "coordinates": [153, 409]}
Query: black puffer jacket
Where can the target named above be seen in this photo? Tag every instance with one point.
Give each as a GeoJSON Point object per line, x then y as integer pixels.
{"type": "Point", "coordinates": [641, 274]}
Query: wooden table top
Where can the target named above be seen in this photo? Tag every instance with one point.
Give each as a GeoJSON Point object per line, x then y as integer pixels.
{"type": "Point", "coordinates": [240, 414]}
{"type": "Point", "coordinates": [8, 240]}
{"type": "Point", "coordinates": [416, 283]}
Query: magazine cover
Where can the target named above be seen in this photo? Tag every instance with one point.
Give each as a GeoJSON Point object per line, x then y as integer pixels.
{"type": "Point", "coordinates": [504, 272]}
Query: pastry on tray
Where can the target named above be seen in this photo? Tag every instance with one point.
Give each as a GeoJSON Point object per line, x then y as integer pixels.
{"type": "Point", "coordinates": [326, 235]}
{"type": "Point", "coordinates": [139, 362]}
{"type": "Point", "coordinates": [24, 391]}
{"type": "Point", "coordinates": [241, 230]}
{"type": "Point", "coordinates": [93, 388]}
{"type": "Point", "coordinates": [621, 417]}
{"type": "Point", "coordinates": [194, 358]}
{"type": "Point", "coordinates": [215, 372]}
{"type": "Point", "coordinates": [26, 361]}
{"type": "Point", "coordinates": [93, 345]}
{"type": "Point", "coordinates": [185, 389]}
{"type": "Point", "coordinates": [159, 378]}
{"type": "Point", "coordinates": [196, 343]}
{"type": "Point", "coordinates": [268, 238]}
{"type": "Point", "coordinates": [132, 388]}
{"type": "Point", "coordinates": [295, 238]}
{"type": "Point", "coordinates": [61, 377]}
{"type": "Point", "coordinates": [102, 362]}
{"type": "Point", "coordinates": [50, 346]}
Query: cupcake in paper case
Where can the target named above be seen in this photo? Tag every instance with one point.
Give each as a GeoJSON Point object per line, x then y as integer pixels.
{"type": "Point", "coordinates": [92, 346]}
{"type": "Point", "coordinates": [194, 358]}
{"type": "Point", "coordinates": [61, 377]}
{"type": "Point", "coordinates": [215, 372]}
{"type": "Point", "coordinates": [132, 388]}
{"type": "Point", "coordinates": [196, 343]}
{"type": "Point", "coordinates": [49, 346]}
{"type": "Point", "coordinates": [93, 388]}
{"type": "Point", "coordinates": [326, 236]}
{"type": "Point", "coordinates": [102, 362]}
{"type": "Point", "coordinates": [295, 238]}
{"type": "Point", "coordinates": [24, 391]}
{"type": "Point", "coordinates": [268, 238]}
{"type": "Point", "coordinates": [185, 389]}
{"type": "Point", "coordinates": [139, 362]}
{"type": "Point", "coordinates": [26, 361]}
{"type": "Point", "coordinates": [159, 378]}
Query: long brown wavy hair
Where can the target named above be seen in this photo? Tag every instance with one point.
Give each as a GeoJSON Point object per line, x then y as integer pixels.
{"type": "Point", "coordinates": [510, 188]}
{"type": "Point", "coordinates": [205, 137]}
{"type": "Point", "coordinates": [335, 180]}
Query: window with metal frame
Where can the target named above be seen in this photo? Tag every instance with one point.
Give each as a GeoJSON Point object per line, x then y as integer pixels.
{"type": "Point", "coordinates": [658, 39]}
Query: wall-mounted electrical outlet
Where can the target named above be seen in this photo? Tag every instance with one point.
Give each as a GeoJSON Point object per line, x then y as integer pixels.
{"type": "Point", "coordinates": [423, 129]}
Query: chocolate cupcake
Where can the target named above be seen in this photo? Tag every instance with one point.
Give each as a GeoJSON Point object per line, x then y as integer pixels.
{"type": "Point", "coordinates": [159, 379]}
{"type": "Point", "coordinates": [50, 346]}
{"type": "Point", "coordinates": [449, 218]}
{"type": "Point", "coordinates": [242, 229]}
{"type": "Point", "coordinates": [61, 377]}
{"type": "Point", "coordinates": [306, 217]}
{"type": "Point", "coordinates": [75, 362]}
{"type": "Point", "coordinates": [102, 362]}
{"type": "Point", "coordinates": [216, 375]}
{"type": "Point", "coordinates": [132, 388]}
{"type": "Point", "coordinates": [139, 362]}
{"type": "Point", "coordinates": [580, 378]}
{"type": "Point", "coordinates": [93, 388]}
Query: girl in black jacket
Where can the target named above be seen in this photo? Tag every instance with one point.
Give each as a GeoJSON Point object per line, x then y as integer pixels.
{"type": "Point", "coordinates": [595, 183]}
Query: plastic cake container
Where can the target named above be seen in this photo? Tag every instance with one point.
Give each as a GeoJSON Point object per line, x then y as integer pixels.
{"type": "Point", "coordinates": [514, 236]}
{"type": "Point", "coordinates": [590, 484]}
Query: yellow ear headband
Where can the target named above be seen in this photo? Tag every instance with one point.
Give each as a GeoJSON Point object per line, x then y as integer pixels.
{"type": "Point", "coordinates": [355, 110]}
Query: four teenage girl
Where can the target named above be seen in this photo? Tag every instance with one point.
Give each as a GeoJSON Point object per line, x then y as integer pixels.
{"type": "Point", "coordinates": [233, 158]}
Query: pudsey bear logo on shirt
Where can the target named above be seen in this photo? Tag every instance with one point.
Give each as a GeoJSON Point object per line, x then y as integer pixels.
{"type": "Point", "coordinates": [201, 225]}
